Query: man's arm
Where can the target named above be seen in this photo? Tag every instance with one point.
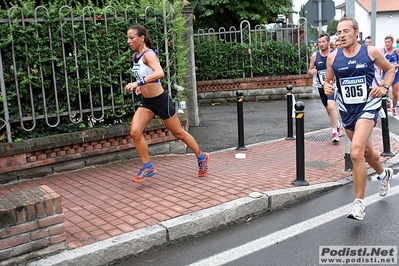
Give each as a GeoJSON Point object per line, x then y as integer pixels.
{"type": "Point", "coordinates": [382, 63]}
{"type": "Point", "coordinates": [312, 68]}
{"type": "Point", "coordinates": [329, 82]}
{"type": "Point", "coordinates": [397, 63]}
{"type": "Point", "coordinates": [388, 68]}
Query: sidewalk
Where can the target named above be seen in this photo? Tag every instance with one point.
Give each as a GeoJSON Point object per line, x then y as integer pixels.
{"type": "Point", "coordinates": [102, 202]}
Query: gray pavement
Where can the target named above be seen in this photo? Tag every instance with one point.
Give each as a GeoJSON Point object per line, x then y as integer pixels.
{"type": "Point", "coordinates": [265, 123]}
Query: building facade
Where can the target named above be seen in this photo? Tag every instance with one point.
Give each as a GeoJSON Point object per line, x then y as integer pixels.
{"type": "Point", "coordinates": [386, 20]}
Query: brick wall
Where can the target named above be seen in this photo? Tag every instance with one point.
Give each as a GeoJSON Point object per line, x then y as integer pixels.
{"type": "Point", "coordinates": [30, 220]}
{"type": "Point", "coordinates": [254, 89]}
{"type": "Point", "coordinates": [47, 155]}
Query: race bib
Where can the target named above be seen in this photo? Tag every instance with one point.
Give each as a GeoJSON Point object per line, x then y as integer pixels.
{"type": "Point", "coordinates": [354, 89]}
{"type": "Point", "coordinates": [322, 75]}
{"type": "Point", "coordinates": [135, 70]}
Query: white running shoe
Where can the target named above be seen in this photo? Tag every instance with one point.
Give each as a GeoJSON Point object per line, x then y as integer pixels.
{"type": "Point", "coordinates": [358, 211]}
{"type": "Point", "coordinates": [384, 183]}
{"type": "Point", "coordinates": [335, 137]}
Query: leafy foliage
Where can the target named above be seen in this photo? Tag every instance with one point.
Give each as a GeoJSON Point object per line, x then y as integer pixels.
{"type": "Point", "coordinates": [59, 75]}
{"type": "Point", "coordinates": [62, 65]}
{"type": "Point", "coordinates": [332, 27]}
{"type": "Point", "coordinates": [219, 13]}
{"type": "Point", "coordinates": [219, 60]}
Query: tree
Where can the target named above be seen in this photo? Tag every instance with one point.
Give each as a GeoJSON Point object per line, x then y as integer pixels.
{"type": "Point", "coordinates": [332, 27]}
{"type": "Point", "coordinates": [226, 13]}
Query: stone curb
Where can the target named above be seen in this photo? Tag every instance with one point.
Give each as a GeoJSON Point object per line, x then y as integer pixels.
{"type": "Point", "coordinates": [182, 227]}
{"type": "Point", "coordinates": [200, 222]}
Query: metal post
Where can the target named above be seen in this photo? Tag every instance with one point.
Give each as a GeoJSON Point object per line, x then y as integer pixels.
{"type": "Point", "coordinates": [373, 21]}
{"type": "Point", "coordinates": [348, 160]}
{"type": "Point", "coordinates": [166, 40]}
{"type": "Point", "coordinates": [320, 11]}
{"type": "Point", "coordinates": [190, 80]}
{"type": "Point", "coordinates": [290, 135]}
{"type": "Point", "coordinates": [5, 106]}
{"type": "Point", "coordinates": [240, 116]}
{"type": "Point", "coordinates": [385, 130]}
{"type": "Point", "coordinates": [300, 145]}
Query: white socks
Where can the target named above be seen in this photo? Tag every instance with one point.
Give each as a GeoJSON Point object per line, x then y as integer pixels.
{"type": "Point", "coordinates": [383, 175]}
{"type": "Point", "coordinates": [361, 200]}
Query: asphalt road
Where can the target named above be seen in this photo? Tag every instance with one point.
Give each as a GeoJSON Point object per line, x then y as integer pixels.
{"type": "Point", "coordinates": [291, 236]}
{"type": "Point", "coordinates": [263, 121]}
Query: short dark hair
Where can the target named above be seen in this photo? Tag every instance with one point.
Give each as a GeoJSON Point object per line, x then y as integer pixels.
{"type": "Point", "coordinates": [324, 35]}
{"type": "Point", "coordinates": [389, 37]}
{"type": "Point", "coordinates": [368, 37]}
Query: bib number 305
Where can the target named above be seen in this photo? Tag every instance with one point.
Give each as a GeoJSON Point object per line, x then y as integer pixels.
{"type": "Point", "coordinates": [354, 89]}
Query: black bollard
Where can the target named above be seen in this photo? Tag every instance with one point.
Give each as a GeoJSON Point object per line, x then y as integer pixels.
{"type": "Point", "coordinates": [347, 157]}
{"type": "Point", "coordinates": [385, 131]}
{"type": "Point", "coordinates": [240, 116]}
{"type": "Point", "coordinates": [300, 145]}
{"type": "Point", "coordinates": [290, 135]}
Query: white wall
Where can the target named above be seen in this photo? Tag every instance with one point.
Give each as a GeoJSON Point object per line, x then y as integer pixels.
{"type": "Point", "coordinates": [364, 21]}
{"type": "Point", "coordinates": [386, 25]}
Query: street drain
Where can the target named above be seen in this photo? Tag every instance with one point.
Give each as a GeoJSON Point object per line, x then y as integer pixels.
{"type": "Point", "coordinates": [319, 164]}
{"type": "Point", "coordinates": [319, 137]}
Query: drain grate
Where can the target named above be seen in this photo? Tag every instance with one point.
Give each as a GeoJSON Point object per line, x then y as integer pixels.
{"type": "Point", "coordinates": [319, 164]}
{"type": "Point", "coordinates": [319, 137]}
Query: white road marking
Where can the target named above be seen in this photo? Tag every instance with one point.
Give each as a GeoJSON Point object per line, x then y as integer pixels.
{"type": "Point", "coordinates": [281, 235]}
{"type": "Point", "coordinates": [393, 116]}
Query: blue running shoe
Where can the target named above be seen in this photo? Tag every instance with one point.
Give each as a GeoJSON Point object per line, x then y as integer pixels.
{"type": "Point", "coordinates": [144, 173]}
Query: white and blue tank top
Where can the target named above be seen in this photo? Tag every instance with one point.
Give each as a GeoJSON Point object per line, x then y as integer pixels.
{"type": "Point", "coordinates": [141, 70]}
{"type": "Point", "coordinates": [354, 76]}
{"type": "Point", "coordinates": [393, 59]}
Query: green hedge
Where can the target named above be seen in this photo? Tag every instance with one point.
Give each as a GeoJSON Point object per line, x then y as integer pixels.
{"type": "Point", "coordinates": [102, 62]}
{"type": "Point", "coordinates": [219, 60]}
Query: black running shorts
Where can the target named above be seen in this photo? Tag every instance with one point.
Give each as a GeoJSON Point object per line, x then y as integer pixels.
{"type": "Point", "coordinates": [160, 105]}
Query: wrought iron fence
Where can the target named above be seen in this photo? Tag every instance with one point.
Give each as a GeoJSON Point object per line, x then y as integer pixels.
{"type": "Point", "coordinates": [256, 38]}
{"type": "Point", "coordinates": [61, 81]}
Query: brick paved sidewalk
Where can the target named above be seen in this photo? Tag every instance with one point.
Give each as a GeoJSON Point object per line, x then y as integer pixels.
{"type": "Point", "coordinates": [101, 202]}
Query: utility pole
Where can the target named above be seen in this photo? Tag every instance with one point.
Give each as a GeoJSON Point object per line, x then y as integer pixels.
{"type": "Point", "coordinates": [290, 16]}
{"type": "Point", "coordinates": [373, 21]}
{"type": "Point", "coordinates": [319, 6]}
{"type": "Point", "coordinates": [350, 8]}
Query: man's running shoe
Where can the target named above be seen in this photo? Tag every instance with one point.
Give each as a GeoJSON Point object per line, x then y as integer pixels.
{"type": "Point", "coordinates": [384, 183]}
{"type": "Point", "coordinates": [394, 113]}
{"type": "Point", "coordinates": [335, 137]}
{"type": "Point", "coordinates": [340, 128]}
{"type": "Point", "coordinates": [203, 165]}
{"type": "Point", "coordinates": [144, 173]}
{"type": "Point", "coordinates": [358, 211]}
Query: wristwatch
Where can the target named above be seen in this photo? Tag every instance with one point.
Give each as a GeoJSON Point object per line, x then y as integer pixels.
{"type": "Point", "coordinates": [386, 86]}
